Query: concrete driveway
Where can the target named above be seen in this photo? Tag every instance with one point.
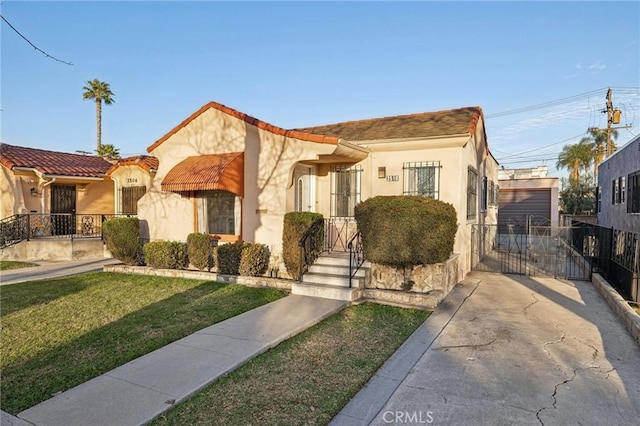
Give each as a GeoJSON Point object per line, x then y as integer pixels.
{"type": "Point", "coordinates": [514, 351]}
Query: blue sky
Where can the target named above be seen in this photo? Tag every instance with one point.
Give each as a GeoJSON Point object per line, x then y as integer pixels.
{"type": "Point", "coordinates": [298, 64]}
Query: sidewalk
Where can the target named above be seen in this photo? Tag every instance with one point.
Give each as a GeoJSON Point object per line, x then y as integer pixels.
{"type": "Point", "coordinates": [142, 389]}
{"type": "Point", "coordinates": [53, 269]}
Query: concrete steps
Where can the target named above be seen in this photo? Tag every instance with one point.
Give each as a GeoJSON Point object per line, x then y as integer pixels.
{"type": "Point", "coordinates": [328, 278]}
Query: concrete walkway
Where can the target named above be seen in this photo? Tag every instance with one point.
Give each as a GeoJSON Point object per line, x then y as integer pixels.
{"type": "Point", "coordinates": [53, 269]}
{"type": "Point", "coordinates": [142, 389]}
{"type": "Point", "coordinates": [505, 350]}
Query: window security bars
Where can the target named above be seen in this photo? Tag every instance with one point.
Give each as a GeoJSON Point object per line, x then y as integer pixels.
{"type": "Point", "coordinates": [345, 190]}
{"type": "Point", "coordinates": [422, 179]}
{"type": "Point", "coordinates": [633, 192]}
{"type": "Point", "coordinates": [472, 193]}
{"type": "Point", "coordinates": [129, 196]}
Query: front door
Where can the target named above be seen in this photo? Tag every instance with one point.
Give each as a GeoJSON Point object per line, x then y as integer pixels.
{"type": "Point", "coordinates": [305, 179]}
{"type": "Point", "coordinates": [63, 209]}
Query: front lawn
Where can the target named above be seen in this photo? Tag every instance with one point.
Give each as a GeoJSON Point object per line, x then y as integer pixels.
{"type": "Point", "coordinates": [306, 379]}
{"type": "Point", "coordinates": [62, 332]}
{"type": "Point", "coordinates": [12, 264]}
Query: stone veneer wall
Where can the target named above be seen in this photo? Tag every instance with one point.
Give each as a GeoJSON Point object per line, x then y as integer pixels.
{"type": "Point", "coordinates": [425, 278]}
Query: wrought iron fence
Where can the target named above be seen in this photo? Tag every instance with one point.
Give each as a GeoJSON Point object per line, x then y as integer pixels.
{"type": "Point", "coordinates": [53, 225]}
{"type": "Point", "coordinates": [14, 229]}
{"type": "Point", "coordinates": [613, 253]}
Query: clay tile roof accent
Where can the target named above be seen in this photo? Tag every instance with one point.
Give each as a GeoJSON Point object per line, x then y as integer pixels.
{"type": "Point", "coordinates": [53, 163]}
{"type": "Point", "coordinates": [146, 162]}
{"type": "Point", "coordinates": [426, 124]}
{"type": "Point", "coordinates": [207, 172]}
{"type": "Point", "coordinates": [250, 120]}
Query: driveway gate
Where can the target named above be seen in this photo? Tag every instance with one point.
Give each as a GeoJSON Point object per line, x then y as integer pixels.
{"type": "Point", "coordinates": [532, 250]}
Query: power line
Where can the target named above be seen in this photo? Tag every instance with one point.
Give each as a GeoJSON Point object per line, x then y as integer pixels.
{"type": "Point", "coordinates": [543, 147]}
{"type": "Point", "coordinates": [33, 45]}
{"type": "Point", "coordinates": [569, 99]}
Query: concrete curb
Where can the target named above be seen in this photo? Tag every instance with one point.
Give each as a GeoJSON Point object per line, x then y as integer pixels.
{"type": "Point", "coordinates": [628, 316]}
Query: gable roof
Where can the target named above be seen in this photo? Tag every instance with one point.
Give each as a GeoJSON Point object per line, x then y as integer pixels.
{"type": "Point", "coordinates": [52, 163]}
{"type": "Point", "coordinates": [427, 124]}
{"type": "Point", "coordinates": [249, 120]}
{"type": "Point", "coordinates": [145, 162]}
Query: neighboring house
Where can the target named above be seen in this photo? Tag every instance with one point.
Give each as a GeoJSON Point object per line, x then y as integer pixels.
{"type": "Point", "coordinates": [38, 181]}
{"type": "Point", "coordinates": [225, 173]}
{"type": "Point", "coordinates": [527, 196]}
{"type": "Point", "coordinates": [132, 177]}
{"type": "Point", "coordinates": [619, 189]}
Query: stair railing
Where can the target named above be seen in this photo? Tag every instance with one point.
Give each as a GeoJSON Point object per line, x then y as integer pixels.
{"type": "Point", "coordinates": [356, 255]}
{"type": "Point", "coordinates": [14, 229]}
{"type": "Point", "coordinates": [311, 244]}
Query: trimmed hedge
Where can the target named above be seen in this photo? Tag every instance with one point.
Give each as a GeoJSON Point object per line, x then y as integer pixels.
{"type": "Point", "coordinates": [254, 260]}
{"type": "Point", "coordinates": [166, 254]}
{"type": "Point", "coordinates": [228, 258]}
{"type": "Point", "coordinates": [404, 231]}
{"type": "Point", "coordinates": [199, 251]}
{"type": "Point", "coordinates": [122, 237]}
{"type": "Point", "coordinates": [295, 225]}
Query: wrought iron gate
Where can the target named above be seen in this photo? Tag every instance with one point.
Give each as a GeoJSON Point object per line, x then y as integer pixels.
{"type": "Point", "coordinates": [532, 250]}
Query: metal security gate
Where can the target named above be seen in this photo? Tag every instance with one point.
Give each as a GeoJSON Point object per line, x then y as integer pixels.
{"type": "Point", "coordinates": [532, 250]}
{"type": "Point", "coordinates": [63, 209]}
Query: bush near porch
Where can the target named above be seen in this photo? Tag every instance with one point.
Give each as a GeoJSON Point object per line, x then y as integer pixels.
{"type": "Point", "coordinates": [295, 225]}
{"type": "Point", "coordinates": [405, 231]}
{"type": "Point", "coordinates": [122, 237]}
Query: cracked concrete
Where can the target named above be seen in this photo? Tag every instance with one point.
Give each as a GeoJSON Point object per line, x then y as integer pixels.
{"type": "Point", "coordinates": [522, 351]}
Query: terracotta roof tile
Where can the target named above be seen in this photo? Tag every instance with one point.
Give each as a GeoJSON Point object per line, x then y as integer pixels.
{"type": "Point", "coordinates": [146, 162]}
{"type": "Point", "coordinates": [206, 172]}
{"type": "Point", "coordinates": [250, 120]}
{"type": "Point", "coordinates": [426, 124]}
{"type": "Point", "coordinates": [53, 163]}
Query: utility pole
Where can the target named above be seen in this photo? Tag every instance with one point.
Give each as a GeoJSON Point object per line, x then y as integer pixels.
{"type": "Point", "coordinates": [607, 147]}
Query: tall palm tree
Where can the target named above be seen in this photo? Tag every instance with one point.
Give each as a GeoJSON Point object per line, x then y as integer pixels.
{"type": "Point", "coordinates": [598, 137]}
{"type": "Point", "coordinates": [576, 157]}
{"type": "Point", "coordinates": [100, 92]}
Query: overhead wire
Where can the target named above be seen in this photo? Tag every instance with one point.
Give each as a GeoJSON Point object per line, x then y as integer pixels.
{"type": "Point", "coordinates": [33, 45]}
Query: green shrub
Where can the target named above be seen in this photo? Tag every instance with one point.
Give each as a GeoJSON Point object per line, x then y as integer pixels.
{"type": "Point", "coordinates": [166, 254]}
{"type": "Point", "coordinates": [122, 237]}
{"type": "Point", "coordinates": [199, 251]}
{"type": "Point", "coordinates": [295, 225]}
{"type": "Point", "coordinates": [228, 258]}
{"type": "Point", "coordinates": [254, 260]}
{"type": "Point", "coordinates": [404, 231]}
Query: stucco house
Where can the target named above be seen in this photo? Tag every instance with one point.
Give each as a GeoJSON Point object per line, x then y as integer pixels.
{"type": "Point", "coordinates": [619, 189]}
{"type": "Point", "coordinates": [58, 194]}
{"type": "Point", "coordinates": [229, 174]}
{"type": "Point", "coordinates": [39, 181]}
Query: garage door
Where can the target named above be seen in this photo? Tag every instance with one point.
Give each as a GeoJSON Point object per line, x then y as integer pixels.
{"type": "Point", "coordinates": [516, 205]}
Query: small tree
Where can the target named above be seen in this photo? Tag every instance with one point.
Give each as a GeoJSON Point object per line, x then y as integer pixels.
{"type": "Point", "coordinates": [108, 151]}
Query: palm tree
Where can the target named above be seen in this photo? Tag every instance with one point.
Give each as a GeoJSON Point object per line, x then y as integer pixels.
{"type": "Point", "coordinates": [100, 92]}
{"type": "Point", "coordinates": [576, 157]}
{"type": "Point", "coordinates": [598, 137]}
{"type": "Point", "coordinates": [109, 151]}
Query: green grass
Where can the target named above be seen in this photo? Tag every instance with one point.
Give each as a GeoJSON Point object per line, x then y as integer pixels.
{"type": "Point", "coordinates": [11, 264]}
{"type": "Point", "coordinates": [306, 379]}
{"type": "Point", "coordinates": [59, 333]}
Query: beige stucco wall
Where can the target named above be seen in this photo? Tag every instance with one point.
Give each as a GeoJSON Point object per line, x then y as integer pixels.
{"type": "Point", "coordinates": [127, 176]}
{"type": "Point", "coordinates": [455, 154]}
{"type": "Point", "coordinates": [95, 197]}
{"type": "Point", "coordinates": [269, 161]}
